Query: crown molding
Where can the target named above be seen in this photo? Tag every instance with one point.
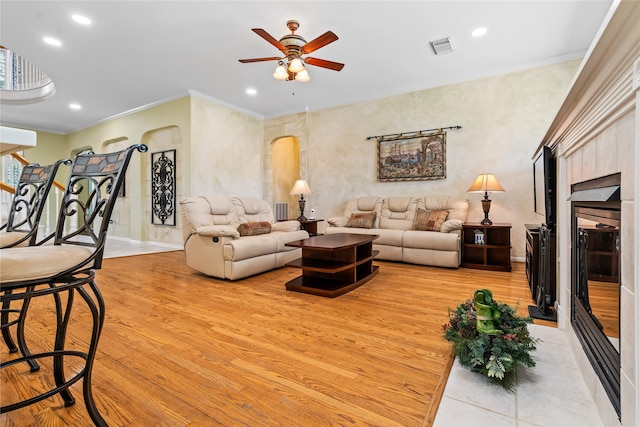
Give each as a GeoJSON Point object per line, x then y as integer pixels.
{"type": "Point", "coordinates": [603, 89]}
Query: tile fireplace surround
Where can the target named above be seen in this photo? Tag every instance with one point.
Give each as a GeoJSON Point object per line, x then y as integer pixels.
{"type": "Point", "coordinates": [596, 133]}
{"type": "Point", "coordinates": [605, 154]}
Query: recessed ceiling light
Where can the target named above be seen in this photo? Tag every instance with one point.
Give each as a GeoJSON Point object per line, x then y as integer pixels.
{"type": "Point", "coordinates": [52, 41]}
{"type": "Point", "coordinates": [75, 106]}
{"type": "Point", "coordinates": [478, 32]}
{"type": "Point", "coordinates": [81, 19]}
{"type": "Point", "coordinates": [251, 91]}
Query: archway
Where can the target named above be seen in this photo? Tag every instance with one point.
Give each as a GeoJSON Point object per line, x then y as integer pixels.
{"type": "Point", "coordinates": [285, 168]}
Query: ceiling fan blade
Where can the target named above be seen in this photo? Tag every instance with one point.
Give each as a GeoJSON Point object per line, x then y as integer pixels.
{"type": "Point", "coordinates": [268, 37]}
{"type": "Point", "coordinates": [271, 58]}
{"type": "Point", "coordinates": [324, 63]}
{"type": "Point", "coordinates": [319, 42]}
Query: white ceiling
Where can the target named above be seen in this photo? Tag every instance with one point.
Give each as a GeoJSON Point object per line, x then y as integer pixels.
{"type": "Point", "coordinates": [138, 53]}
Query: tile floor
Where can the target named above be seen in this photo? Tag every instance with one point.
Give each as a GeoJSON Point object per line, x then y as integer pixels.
{"type": "Point", "coordinates": [116, 247]}
{"type": "Point", "coordinates": [552, 393]}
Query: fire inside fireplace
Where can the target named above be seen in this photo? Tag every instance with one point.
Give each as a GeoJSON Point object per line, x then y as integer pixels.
{"type": "Point", "coordinates": [595, 277]}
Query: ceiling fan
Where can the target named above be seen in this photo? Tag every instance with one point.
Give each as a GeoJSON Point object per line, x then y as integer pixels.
{"type": "Point", "coordinates": [294, 46]}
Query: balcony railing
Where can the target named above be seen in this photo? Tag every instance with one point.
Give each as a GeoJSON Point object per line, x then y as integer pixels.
{"type": "Point", "coordinates": [20, 80]}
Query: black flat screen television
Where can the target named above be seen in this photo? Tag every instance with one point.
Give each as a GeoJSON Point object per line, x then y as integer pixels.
{"type": "Point", "coordinates": [544, 187]}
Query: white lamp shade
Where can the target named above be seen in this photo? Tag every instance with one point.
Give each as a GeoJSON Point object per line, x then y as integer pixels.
{"type": "Point", "coordinates": [281, 73]}
{"type": "Point", "coordinates": [296, 65]}
{"type": "Point", "coordinates": [300, 187]}
{"type": "Point", "coordinates": [485, 182]}
{"type": "Point", "coordinates": [303, 76]}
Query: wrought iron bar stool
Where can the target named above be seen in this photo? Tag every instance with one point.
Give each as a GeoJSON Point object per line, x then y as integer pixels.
{"type": "Point", "coordinates": [21, 229]}
{"type": "Point", "coordinates": [68, 267]}
{"type": "Point", "coordinates": [28, 204]}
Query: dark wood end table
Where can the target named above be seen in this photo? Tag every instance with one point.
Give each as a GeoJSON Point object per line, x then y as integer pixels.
{"type": "Point", "coordinates": [310, 225]}
{"type": "Point", "coordinates": [492, 251]}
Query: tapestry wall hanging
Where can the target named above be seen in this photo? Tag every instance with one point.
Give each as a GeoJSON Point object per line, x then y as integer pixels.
{"type": "Point", "coordinates": [163, 188]}
{"type": "Point", "coordinates": [412, 158]}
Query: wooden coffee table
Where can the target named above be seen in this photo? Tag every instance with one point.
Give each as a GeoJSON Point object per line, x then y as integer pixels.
{"type": "Point", "coordinates": [333, 264]}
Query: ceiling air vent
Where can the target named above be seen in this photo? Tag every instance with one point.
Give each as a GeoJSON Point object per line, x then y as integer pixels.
{"type": "Point", "coordinates": [442, 46]}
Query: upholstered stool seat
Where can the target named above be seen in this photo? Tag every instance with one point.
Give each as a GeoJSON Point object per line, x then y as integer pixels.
{"type": "Point", "coordinates": [14, 238]}
{"type": "Point", "coordinates": [39, 262]}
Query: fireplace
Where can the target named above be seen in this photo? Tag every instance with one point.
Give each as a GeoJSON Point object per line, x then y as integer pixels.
{"type": "Point", "coordinates": [595, 277]}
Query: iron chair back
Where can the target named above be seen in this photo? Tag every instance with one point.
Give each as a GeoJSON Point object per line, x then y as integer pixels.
{"type": "Point", "coordinates": [29, 202]}
{"type": "Point", "coordinates": [89, 199]}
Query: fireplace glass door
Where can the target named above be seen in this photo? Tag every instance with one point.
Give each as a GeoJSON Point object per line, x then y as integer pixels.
{"type": "Point", "coordinates": [599, 284]}
{"type": "Point", "coordinates": [595, 288]}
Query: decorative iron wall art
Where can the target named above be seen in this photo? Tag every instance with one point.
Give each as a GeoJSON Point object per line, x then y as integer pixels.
{"type": "Point", "coordinates": [163, 188]}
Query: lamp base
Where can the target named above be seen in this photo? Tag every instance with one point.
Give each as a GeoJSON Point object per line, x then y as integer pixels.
{"type": "Point", "coordinates": [486, 206]}
{"type": "Point", "coordinates": [301, 204]}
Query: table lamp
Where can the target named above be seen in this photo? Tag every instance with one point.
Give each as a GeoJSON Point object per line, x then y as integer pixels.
{"type": "Point", "coordinates": [484, 183]}
{"type": "Point", "coordinates": [301, 188]}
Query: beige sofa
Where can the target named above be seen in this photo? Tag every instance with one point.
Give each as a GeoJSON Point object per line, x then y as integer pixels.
{"type": "Point", "coordinates": [213, 244]}
{"type": "Point", "coordinates": [395, 222]}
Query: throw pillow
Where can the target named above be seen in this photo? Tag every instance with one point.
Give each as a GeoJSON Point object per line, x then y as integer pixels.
{"type": "Point", "coordinates": [429, 220]}
{"type": "Point", "coordinates": [361, 220]}
{"type": "Point", "coordinates": [254, 228]}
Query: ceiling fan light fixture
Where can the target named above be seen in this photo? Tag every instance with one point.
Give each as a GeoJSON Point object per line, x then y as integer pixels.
{"type": "Point", "coordinates": [292, 66]}
{"type": "Point", "coordinates": [281, 72]}
{"type": "Point", "coordinates": [303, 76]}
{"type": "Point", "coordinates": [296, 65]}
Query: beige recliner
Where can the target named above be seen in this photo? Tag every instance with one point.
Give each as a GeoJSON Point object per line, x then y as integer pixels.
{"type": "Point", "coordinates": [214, 245]}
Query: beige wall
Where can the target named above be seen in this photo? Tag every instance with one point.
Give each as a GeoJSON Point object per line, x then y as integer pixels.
{"type": "Point", "coordinates": [131, 129]}
{"type": "Point", "coordinates": [131, 213]}
{"type": "Point", "coordinates": [503, 119]}
{"type": "Point", "coordinates": [48, 149]}
{"type": "Point", "coordinates": [228, 152]}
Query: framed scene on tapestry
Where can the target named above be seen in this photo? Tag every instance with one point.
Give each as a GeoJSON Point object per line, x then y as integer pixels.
{"type": "Point", "coordinates": [413, 158]}
{"type": "Point", "coordinates": [163, 188]}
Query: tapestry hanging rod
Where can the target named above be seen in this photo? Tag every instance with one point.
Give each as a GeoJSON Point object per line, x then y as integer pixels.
{"type": "Point", "coordinates": [410, 134]}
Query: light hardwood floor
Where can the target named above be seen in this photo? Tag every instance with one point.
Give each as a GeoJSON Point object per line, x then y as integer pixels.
{"type": "Point", "coordinates": [182, 349]}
